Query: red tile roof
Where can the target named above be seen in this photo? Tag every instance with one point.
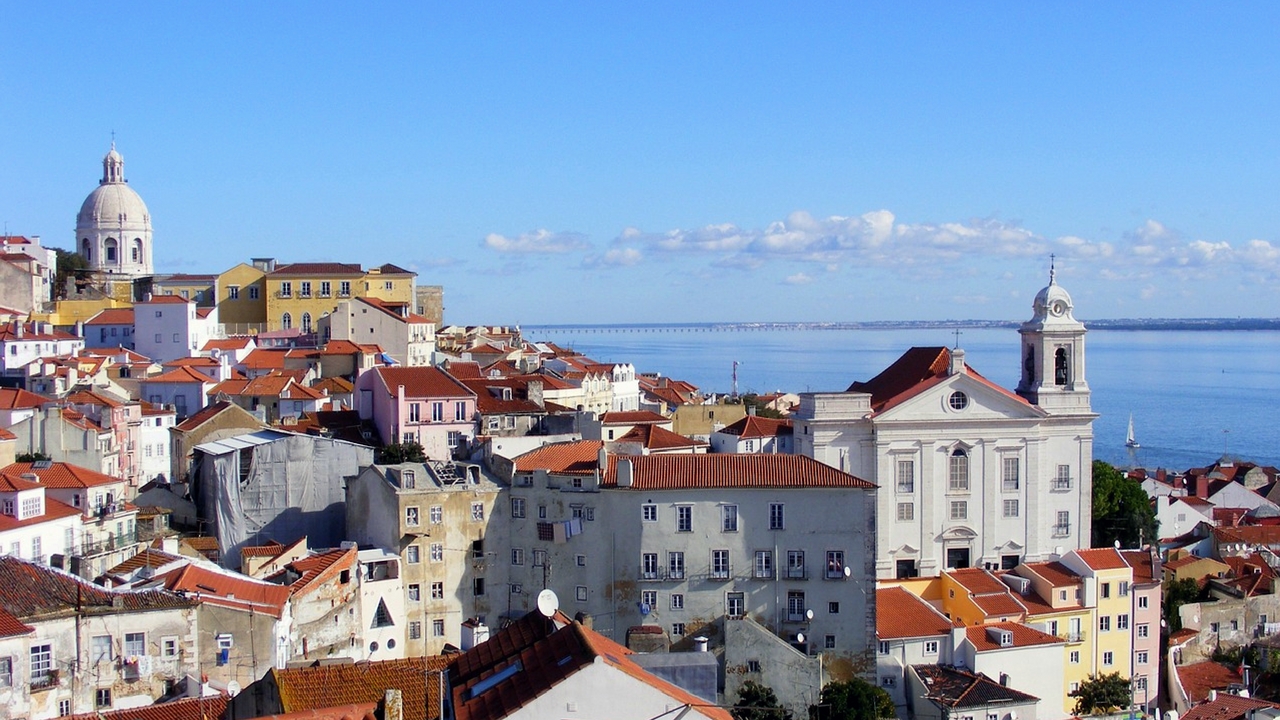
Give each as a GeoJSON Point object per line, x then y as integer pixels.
{"type": "Point", "coordinates": [978, 581]}
{"type": "Point", "coordinates": [1198, 679]}
{"type": "Point", "coordinates": [687, 471]}
{"type": "Point", "coordinates": [328, 686]}
{"type": "Point", "coordinates": [6, 435]}
{"type": "Point", "coordinates": [201, 708]}
{"type": "Point", "coordinates": [318, 268]}
{"type": "Point", "coordinates": [181, 374]}
{"type": "Point", "coordinates": [28, 590]}
{"type": "Point", "coordinates": [315, 569]}
{"type": "Point", "coordinates": [390, 309]}
{"type": "Point", "coordinates": [147, 557]}
{"type": "Point", "coordinates": [1055, 573]}
{"type": "Point", "coordinates": [227, 589]}
{"type": "Point", "coordinates": [270, 550]}
{"type": "Point", "coordinates": [1023, 636]}
{"type": "Point", "coordinates": [463, 370]}
{"type": "Point", "coordinates": [232, 343]}
{"type": "Point", "coordinates": [31, 331]}
{"type": "Point", "coordinates": [61, 475]}
{"type": "Point", "coordinates": [112, 316]}
{"type": "Point", "coordinates": [656, 437]}
{"type": "Point", "coordinates": [754, 426]}
{"type": "Point", "coordinates": [1143, 565]}
{"type": "Point", "coordinates": [264, 359]}
{"type": "Point", "coordinates": [916, 370]}
{"type": "Point", "coordinates": [1227, 707]}
{"type": "Point", "coordinates": [632, 417]}
{"type": "Point", "coordinates": [203, 416]}
{"type": "Point", "coordinates": [11, 626]}
{"type": "Point", "coordinates": [1102, 558]}
{"type": "Point", "coordinates": [53, 510]}
{"type": "Point", "coordinates": [959, 689]}
{"type": "Point", "coordinates": [580, 457]}
{"type": "Point", "coordinates": [167, 299]}
{"type": "Point", "coordinates": [17, 399]}
{"type": "Point", "coordinates": [422, 382]}
{"type": "Point", "coordinates": [902, 614]}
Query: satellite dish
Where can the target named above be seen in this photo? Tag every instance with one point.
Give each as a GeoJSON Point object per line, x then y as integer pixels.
{"type": "Point", "coordinates": [548, 603]}
{"type": "Point", "coordinates": [645, 609]}
{"type": "Point", "coordinates": [233, 688]}
{"type": "Point", "coordinates": [847, 571]}
{"type": "Point", "coordinates": [800, 637]}
{"type": "Point", "coordinates": [808, 614]}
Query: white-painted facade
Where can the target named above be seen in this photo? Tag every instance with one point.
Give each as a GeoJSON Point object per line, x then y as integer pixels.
{"type": "Point", "coordinates": [167, 328]}
{"type": "Point", "coordinates": [113, 227]}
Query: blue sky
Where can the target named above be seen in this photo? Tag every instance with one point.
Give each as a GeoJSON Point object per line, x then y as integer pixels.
{"type": "Point", "coordinates": [561, 162]}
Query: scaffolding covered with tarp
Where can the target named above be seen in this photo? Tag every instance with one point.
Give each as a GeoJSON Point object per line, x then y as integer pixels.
{"type": "Point", "coordinates": [273, 485]}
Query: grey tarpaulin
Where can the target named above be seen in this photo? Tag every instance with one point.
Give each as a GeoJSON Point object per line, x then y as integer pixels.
{"type": "Point", "coordinates": [272, 485]}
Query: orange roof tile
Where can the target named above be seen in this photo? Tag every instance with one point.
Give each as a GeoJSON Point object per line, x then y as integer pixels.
{"type": "Point", "coordinates": [632, 417]}
{"type": "Point", "coordinates": [11, 626]}
{"type": "Point", "coordinates": [201, 708]}
{"type": "Point", "coordinates": [112, 316]}
{"type": "Point", "coordinates": [1054, 573]}
{"type": "Point", "coordinates": [315, 569]}
{"type": "Point", "coordinates": [580, 457]}
{"type": "Point", "coordinates": [915, 371]}
{"type": "Point", "coordinates": [1143, 565]}
{"type": "Point", "coordinates": [181, 374]}
{"type": "Point", "coordinates": [422, 382]}
{"type": "Point", "coordinates": [318, 268]}
{"type": "Point", "coordinates": [978, 580]}
{"type": "Point", "coordinates": [1198, 679]}
{"type": "Point", "coordinates": [264, 359]}
{"type": "Point", "coordinates": [1227, 707]}
{"type": "Point", "coordinates": [232, 343]}
{"type": "Point", "coordinates": [227, 589]}
{"type": "Point", "coordinates": [6, 435]}
{"type": "Point", "coordinates": [656, 437]}
{"type": "Point", "coordinates": [166, 299]}
{"type": "Point", "coordinates": [1102, 558]}
{"type": "Point", "coordinates": [686, 471]}
{"type": "Point", "coordinates": [61, 475]}
{"type": "Point", "coordinates": [1023, 636]}
{"type": "Point", "coordinates": [754, 426]}
{"type": "Point", "coordinates": [18, 399]}
{"type": "Point", "coordinates": [329, 686]}
{"type": "Point", "coordinates": [902, 614]}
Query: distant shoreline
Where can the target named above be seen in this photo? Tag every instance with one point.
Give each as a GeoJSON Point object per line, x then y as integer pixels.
{"type": "Point", "coordinates": [1196, 324]}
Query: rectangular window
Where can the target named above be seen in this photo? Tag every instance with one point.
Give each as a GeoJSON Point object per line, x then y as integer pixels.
{"type": "Point", "coordinates": [650, 598]}
{"type": "Point", "coordinates": [233, 292]}
{"type": "Point", "coordinates": [253, 292]}
{"type": "Point", "coordinates": [1142, 657]}
{"type": "Point", "coordinates": [304, 288]}
{"type": "Point", "coordinates": [649, 566]}
{"type": "Point", "coordinates": [580, 593]}
{"type": "Point", "coordinates": [684, 518]}
{"type": "Point", "coordinates": [1011, 480]}
{"type": "Point", "coordinates": [677, 601]}
{"type": "Point", "coordinates": [169, 647]}
{"type": "Point", "coordinates": [415, 412]}
{"type": "Point", "coordinates": [1144, 630]}
{"type": "Point", "coordinates": [1104, 590]}
{"type": "Point", "coordinates": [437, 552]}
{"type": "Point", "coordinates": [1122, 621]}
{"type": "Point", "coordinates": [1011, 508]}
{"type": "Point", "coordinates": [795, 605]}
{"type": "Point", "coordinates": [412, 555]}
{"type": "Point", "coordinates": [829, 642]}
{"type": "Point", "coordinates": [539, 558]}
{"type": "Point", "coordinates": [777, 516]}
{"type": "Point", "coordinates": [729, 518]}
{"type": "Point", "coordinates": [437, 628]}
{"type": "Point", "coordinates": [477, 587]}
{"type": "Point", "coordinates": [677, 628]}
{"type": "Point", "coordinates": [344, 288]}
{"type": "Point", "coordinates": [286, 289]}
{"type": "Point", "coordinates": [437, 514]}
{"type": "Point", "coordinates": [326, 288]}
{"type": "Point", "coordinates": [580, 560]}
{"type": "Point", "coordinates": [437, 412]}
{"type": "Point", "coordinates": [1124, 588]}
{"type": "Point", "coordinates": [649, 513]}
{"type": "Point", "coordinates": [720, 564]}
{"type": "Point", "coordinates": [455, 439]}
{"type": "Point", "coordinates": [764, 564]}
{"type": "Point", "coordinates": [477, 511]}
{"type": "Point", "coordinates": [833, 607]}
{"type": "Point", "coordinates": [959, 510]}
{"type": "Point", "coordinates": [517, 507]}
{"type": "Point", "coordinates": [411, 516]}
{"type": "Point", "coordinates": [1063, 526]}
{"type": "Point", "coordinates": [675, 565]}
{"type": "Point", "coordinates": [135, 644]}
{"type": "Point", "coordinates": [882, 647]}
{"type": "Point", "coordinates": [795, 564]}
{"type": "Point", "coordinates": [1075, 657]}
{"type": "Point", "coordinates": [415, 592]}
{"type": "Point", "coordinates": [1104, 623]}
{"type": "Point", "coordinates": [100, 649]}
{"type": "Point", "coordinates": [1108, 658]}
{"type": "Point", "coordinates": [735, 604]}
{"type": "Point", "coordinates": [906, 512]}
{"type": "Point", "coordinates": [415, 630]}
{"type": "Point", "coordinates": [437, 590]}
{"type": "Point", "coordinates": [517, 556]}
{"type": "Point", "coordinates": [906, 476]}
{"type": "Point", "coordinates": [102, 697]}
{"type": "Point", "coordinates": [1063, 479]}
{"type": "Point", "coordinates": [958, 471]}
{"type": "Point", "coordinates": [931, 647]}
{"type": "Point", "coordinates": [1142, 602]}
{"type": "Point", "coordinates": [41, 663]}
{"type": "Point", "coordinates": [835, 564]}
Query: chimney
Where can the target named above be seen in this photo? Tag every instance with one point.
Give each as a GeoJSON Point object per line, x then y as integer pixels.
{"type": "Point", "coordinates": [79, 328]}
{"type": "Point", "coordinates": [1202, 486]}
{"type": "Point", "coordinates": [602, 459]}
{"type": "Point", "coordinates": [169, 545]}
{"type": "Point", "coordinates": [751, 410]}
{"type": "Point", "coordinates": [700, 643]}
{"type": "Point", "coordinates": [626, 472]}
{"type": "Point", "coordinates": [957, 361]}
{"type": "Point", "coordinates": [392, 705]}
{"type": "Point", "coordinates": [19, 329]}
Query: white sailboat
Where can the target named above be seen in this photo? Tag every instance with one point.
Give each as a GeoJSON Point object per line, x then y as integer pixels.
{"type": "Point", "coordinates": [1130, 441]}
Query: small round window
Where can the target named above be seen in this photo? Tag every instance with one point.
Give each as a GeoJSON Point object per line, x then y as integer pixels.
{"type": "Point", "coordinates": [373, 646]}
{"type": "Point", "coordinates": [958, 400]}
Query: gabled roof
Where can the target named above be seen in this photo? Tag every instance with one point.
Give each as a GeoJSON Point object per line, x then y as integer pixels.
{"type": "Point", "coordinates": [313, 569]}
{"type": "Point", "coordinates": [756, 427]}
{"type": "Point", "coordinates": [544, 652]}
{"type": "Point", "coordinates": [18, 399]}
{"type": "Point", "coordinates": [917, 370]}
{"type": "Point", "coordinates": [28, 590]}
{"type": "Point", "coordinates": [422, 382]}
{"type": "Point", "coordinates": [328, 686]}
{"type": "Point", "coordinates": [264, 359]}
{"type": "Point", "coordinates": [147, 557]}
{"type": "Point", "coordinates": [656, 437]}
{"type": "Point", "coordinates": [165, 299]}
{"type": "Point", "coordinates": [89, 397]}
{"type": "Point", "coordinates": [902, 614]}
{"type": "Point", "coordinates": [388, 309]}
{"type": "Point", "coordinates": [464, 370]}
{"type": "Point", "coordinates": [31, 332]}
{"type": "Point", "coordinates": [959, 689]}
{"type": "Point", "coordinates": [579, 457]}
{"type": "Point", "coordinates": [632, 417]}
{"type": "Point", "coordinates": [206, 414]}
{"type": "Point", "coordinates": [688, 471]}
{"type": "Point", "coordinates": [1054, 573]}
{"type": "Point", "coordinates": [1102, 558]}
{"type": "Point", "coordinates": [227, 589]}
{"type": "Point", "coordinates": [318, 268]}
{"type": "Point", "coordinates": [53, 510]}
{"type": "Point", "coordinates": [238, 342]}
{"type": "Point", "coordinates": [1023, 636]}
{"type": "Point", "coordinates": [209, 707]}
{"type": "Point", "coordinates": [1143, 565]}
{"type": "Point", "coordinates": [11, 626]}
{"type": "Point", "coordinates": [389, 269]}
{"type": "Point", "coordinates": [61, 475]}
{"type": "Point", "coordinates": [1197, 679]}
{"type": "Point", "coordinates": [180, 374]}
{"type": "Point", "coordinates": [1227, 707]}
{"type": "Point", "coordinates": [112, 316]}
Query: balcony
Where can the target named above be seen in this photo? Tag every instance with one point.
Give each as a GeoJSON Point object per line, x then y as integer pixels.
{"type": "Point", "coordinates": [1060, 485]}
{"type": "Point", "coordinates": [110, 544]}
{"type": "Point", "coordinates": [797, 573]}
{"type": "Point", "coordinates": [1075, 636]}
{"type": "Point", "coordinates": [720, 573]}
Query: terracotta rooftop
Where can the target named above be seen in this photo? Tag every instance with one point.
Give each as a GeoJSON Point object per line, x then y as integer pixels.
{"type": "Point", "coordinates": [232, 343]}
{"type": "Point", "coordinates": [1023, 636]}
{"type": "Point", "coordinates": [978, 581]}
{"type": "Point", "coordinates": [464, 370]}
{"type": "Point", "coordinates": [579, 457]}
{"type": "Point", "coordinates": [959, 689]}
{"type": "Point", "coordinates": [1102, 558]}
{"type": "Point", "coordinates": [1197, 679]}
{"type": "Point", "coordinates": [203, 416]}
{"type": "Point", "coordinates": [31, 332]}
{"type": "Point", "coordinates": [902, 614]}
{"type": "Point", "coordinates": [300, 574]}
{"type": "Point", "coordinates": [318, 268]}
{"type": "Point", "coordinates": [915, 371]}
{"type": "Point", "coordinates": [227, 589]}
{"type": "Point", "coordinates": [30, 591]}
{"type": "Point", "coordinates": [165, 299]}
{"type": "Point", "coordinates": [6, 435]}
{"type": "Point", "coordinates": [656, 437]}
{"type": "Point", "coordinates": [147, 557]}
{"type": "Point", "coordinates": [181, 374]}
{"type": "Point", "coordinates": [112, 316]}
{"type": "Point", "coordinates": [1143, 566]}
{"type": "Point", "coordinates": [687, 471]}
{"type": "Point", "coordinates": [632, 417]}
{"type": "Point", "coordinates": [328, 686]}
{"type": "Point", "coordinates": [1249, 534]}
{"type": "Point", "coordinates": [11, 626]}
{"type": "Point", "coordinates": [264, 359]}
{"type": "Point", "coordinates": [1227, 707]}
{"type": "Point", "coordinates": [18, 399]}
{"type": "Point", "coordinates": [201, 708]}
{"type": "Point", "coordinates": [61, 476]}
{"type": "Point", "coordinates": [390, 309]}
{"type": "Point", "coordinates": [1054, 573]}
{"type": "Point", "coordinates": [756, 427]}
{"type": "Point", "coordinates": [422, 382]}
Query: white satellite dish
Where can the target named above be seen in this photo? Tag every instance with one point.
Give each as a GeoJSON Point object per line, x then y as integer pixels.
{"type": "Point", "coordinates": [800, 637]}
{"type": "Point", "coordinates": [848, 571]}
{"type": "Point", "coordinates": [233, 688]}
{"type": "Point", "coordinates": [548, 603]}
{"type": "Point", "coordinates": [808, 614]}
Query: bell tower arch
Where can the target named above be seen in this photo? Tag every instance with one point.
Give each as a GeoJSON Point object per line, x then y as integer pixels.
{"type": "Point", "coordinates": [1053, 367]}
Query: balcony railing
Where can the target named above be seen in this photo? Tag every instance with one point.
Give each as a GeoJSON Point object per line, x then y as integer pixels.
{"type": "Point", "coordinates": [720, 573]}
{"type": "Point", "coordinates": [1060, 484]}
{"type": "Point", "coordinates": [797, 573]}
{"type": "Point", "coordinates": [109, 544]}
{"type": "Point", "coordinates": [1076, 636]}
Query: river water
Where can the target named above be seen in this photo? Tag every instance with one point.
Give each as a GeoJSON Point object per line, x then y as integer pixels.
{"type": "Point", "coordinates": [1194, 395]}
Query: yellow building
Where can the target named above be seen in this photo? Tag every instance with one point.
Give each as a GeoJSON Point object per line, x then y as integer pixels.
{"type": "Point", "coordinates": [242, 298]}
{"type": "Point", "coordinates": [1054, 601]}
{"type": "Point", "coordinates": [199, 288]}
{"type": "Point", "coordinates": [299, 293]}
{"type": "Point", "coordinates": [1107, 583]}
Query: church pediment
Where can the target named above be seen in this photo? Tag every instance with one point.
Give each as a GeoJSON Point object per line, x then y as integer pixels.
{"type": "Point", "coordinates": [962, 398]}
{"type": "Point", "coordinates": [905, 550]}
{"type": "Point", "coordinates": [959, 532]}
{"type": "Point", "coordinates": [1011, 545]}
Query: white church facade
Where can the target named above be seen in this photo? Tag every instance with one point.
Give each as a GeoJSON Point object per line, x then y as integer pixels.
{"type": "Point", "coordinates": [969, 473]}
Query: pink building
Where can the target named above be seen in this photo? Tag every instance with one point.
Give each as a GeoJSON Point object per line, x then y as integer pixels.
{"type": "Point", "coordinates": [425, 405]}
{"type": "Point", "coordinates": [1146, 596]}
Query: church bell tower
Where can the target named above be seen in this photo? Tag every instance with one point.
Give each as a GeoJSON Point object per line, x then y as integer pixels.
{"type": "Point", "coordinates": [1053, 374]}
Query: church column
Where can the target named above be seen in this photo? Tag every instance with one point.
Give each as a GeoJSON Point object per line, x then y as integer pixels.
{"type": "Point", "coordinates": [931, 496]}
{"type": "Point", "coordinates": [989, 486]}
{"type": "Point", "coordinates": [1037, 485]}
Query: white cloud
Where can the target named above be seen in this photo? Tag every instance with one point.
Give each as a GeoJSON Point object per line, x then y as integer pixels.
{"type": "Point", "coordinates": [615, 257]}
{"type": "Point", "coordinates": [797, 279]}
{"type": "Point", "coordinates": [537, 242]}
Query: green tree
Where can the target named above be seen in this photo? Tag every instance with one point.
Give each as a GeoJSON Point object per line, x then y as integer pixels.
{"type": "Point", "coordinates": [70, 264]}
{"type": "Point", "coordinates": [409, 452]}
{"type": "Point", "coordinates": [31, 457]}
{"type": "Point", "coordinates": [1177, 593]}
{"type": "Point", "coordinates": [752, 400]}
{"type": "Point", "coordinates": [1121, 509]}
{"type": "Point", "coordinates": [758, 702]}
{"type": "Point", "coordinates": [854, 699]}
{"type": "Point", "coordinates": [1102, 694]}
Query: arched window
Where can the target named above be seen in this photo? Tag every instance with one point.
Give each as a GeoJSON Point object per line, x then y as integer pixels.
{"type": "Point", "coordinates": [286, 321]}
{"type": "Point", "coordinates": [86, 249]}
{"type": "Point", "coordinates": [110, 246]}
{"type": "Point", "coordinates": [306, 322]}
{"type": "Point", "coordinates": [1029, 365]}
{"type": "Point", "coordinates": [958, 470]}
{"type": "Point", "coordinates": [137, 249]}
{"type": "Point", "coordinates": [1061, 367]}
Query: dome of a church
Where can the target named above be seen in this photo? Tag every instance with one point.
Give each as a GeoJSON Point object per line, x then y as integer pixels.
{"type": "Point", "coordinates": [1053, 303]}
{"type": "Point", "coordinates": [113, 227]}
{"type": "Point", "coordinates": [114, 203]}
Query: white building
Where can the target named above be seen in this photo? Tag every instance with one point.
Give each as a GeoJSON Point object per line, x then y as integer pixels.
{"type": "Point", "coordinates": [409, 339]}
{"type": "Point", "coordinates": [113, 228]}
{"type": "Point", "coordinates": [970, 474]}
{"type": "Point", "coordinates": [152, 455]}
{"type": "Point", "coordinates": [168, 327]}
{"type": "Point", "coordinates": [23, 343]}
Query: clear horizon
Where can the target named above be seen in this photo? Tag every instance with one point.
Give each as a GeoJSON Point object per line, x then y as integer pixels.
{"type": "Point", "coordinates": [598, 164]}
